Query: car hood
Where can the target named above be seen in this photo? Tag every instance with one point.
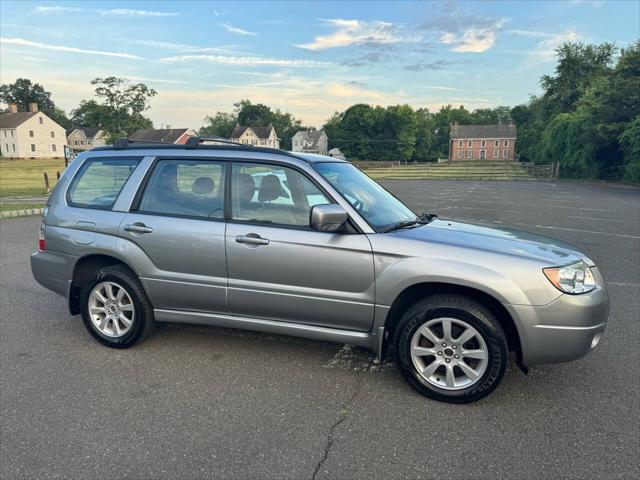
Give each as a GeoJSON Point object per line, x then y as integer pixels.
{"type": "Point", "coordinates": [508, 241]}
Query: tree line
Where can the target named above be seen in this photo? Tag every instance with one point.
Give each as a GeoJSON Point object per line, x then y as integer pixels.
{"type": "Point", "coordinates": [587, 117]}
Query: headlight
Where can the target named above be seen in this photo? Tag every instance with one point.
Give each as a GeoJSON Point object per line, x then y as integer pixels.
{"type": "Point", "coordinates": [575, 278]}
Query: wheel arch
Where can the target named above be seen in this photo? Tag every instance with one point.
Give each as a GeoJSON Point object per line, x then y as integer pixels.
{"type": "Point", "coordinates": [418, 291]}
{"type": "Point", "coordinates": [83, 269]}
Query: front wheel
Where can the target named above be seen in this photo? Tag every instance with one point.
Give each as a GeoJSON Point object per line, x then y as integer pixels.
{"type": "Point", "coordinates": [451, 348]}
{"type": "Point", "coordinates": [115, 308]}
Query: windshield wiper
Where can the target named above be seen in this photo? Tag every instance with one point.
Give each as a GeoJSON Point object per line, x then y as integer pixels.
{"type": "Point", "coordinates": [421, 219]}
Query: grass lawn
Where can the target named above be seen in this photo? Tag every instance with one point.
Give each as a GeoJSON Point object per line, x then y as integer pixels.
{"type": "Point", "coordinates": [9, 207]}
{"type": "Point", "coordinates": [24, 177]}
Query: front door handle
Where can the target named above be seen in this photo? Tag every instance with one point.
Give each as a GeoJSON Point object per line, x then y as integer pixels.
{"type": "Point", "coordinates": [138, 228]}
{"type": "Point", "coordinates": [252, 239]}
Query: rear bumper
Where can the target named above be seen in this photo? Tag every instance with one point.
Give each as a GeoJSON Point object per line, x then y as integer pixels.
{"type": "Point", "coordinates": [564, 330]}
{"type": "Point", "coordinates": [53, 270]}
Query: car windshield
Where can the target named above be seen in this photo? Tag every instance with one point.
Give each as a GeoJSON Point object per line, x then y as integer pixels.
{"type": "Point", "coordinates": [377, 206]}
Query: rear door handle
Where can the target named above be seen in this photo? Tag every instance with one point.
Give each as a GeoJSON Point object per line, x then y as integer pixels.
{"type": "Point", "coordinates": [138, 228]}
{"type": "Point", "coordinates": [252, 239]}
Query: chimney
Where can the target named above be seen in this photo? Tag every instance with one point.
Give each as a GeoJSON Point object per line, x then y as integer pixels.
{"type": "Point", "coordinates": [13, 108]}
{"type": "Point", "coordinates": [33, 107]}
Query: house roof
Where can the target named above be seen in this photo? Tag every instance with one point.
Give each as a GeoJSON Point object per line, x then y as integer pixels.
{"type": "Point", "coordinates": [483, 131]}
{"type": "Point", "coordinates": [312, 136]}
{"type": "Point", "coordinates": [261, 132]}
{"type": "Point", "coordinates": [167, 135]}
{"type": "Point", "coordinates": [12, 120]}
{"type": "Point", "coordinates": [87, 131]}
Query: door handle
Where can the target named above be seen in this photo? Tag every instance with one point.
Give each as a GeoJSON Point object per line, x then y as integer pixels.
{"type": "Point", "coordinates": [252, 239]}
{"type": "Point", "coordinates": [138, 228]}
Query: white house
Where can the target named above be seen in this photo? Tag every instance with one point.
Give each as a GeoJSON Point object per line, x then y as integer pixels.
{"type": "Point", "coordinates": [30, 134]}
{"type": "Point", "coordinates": [310, 141]}
{"type": "Point", "coordinates": [257, 136]}
{"type": "Point", "coordinates": [84, 138]}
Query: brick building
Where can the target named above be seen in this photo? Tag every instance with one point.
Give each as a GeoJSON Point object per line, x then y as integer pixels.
{"type": "Point", "coordinates": [482, 142]}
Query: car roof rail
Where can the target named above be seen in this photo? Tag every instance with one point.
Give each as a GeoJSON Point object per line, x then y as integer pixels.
{"type": "Point", "coordinates": [193, 142]}
{"type": "Point", "coordinates": [122, 143]}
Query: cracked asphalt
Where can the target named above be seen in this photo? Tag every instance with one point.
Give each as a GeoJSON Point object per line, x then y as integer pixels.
{"type": "Point", "coordinates": [196, 402]}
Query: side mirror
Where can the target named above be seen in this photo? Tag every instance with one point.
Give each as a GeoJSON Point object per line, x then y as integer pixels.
{"type": "Point", "coordinates": [328, 218]}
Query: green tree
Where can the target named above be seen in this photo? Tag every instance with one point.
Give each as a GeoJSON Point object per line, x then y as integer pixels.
{"type": "Point", "coordinates": [219, 125]}
{"type": "Point", "coordinates": [120, 111]}
{"type": "Point", "coordinates": [630, 143]}
{"type": "Point", "coordinates": [23, 92]}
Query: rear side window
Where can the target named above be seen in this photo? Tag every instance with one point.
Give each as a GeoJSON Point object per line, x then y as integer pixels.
{"type": "Point", "coordinates": [190, 188]}
{"type": "Point", "coordinates": [99, 182]}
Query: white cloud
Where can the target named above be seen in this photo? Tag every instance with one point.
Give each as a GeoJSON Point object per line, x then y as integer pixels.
{"type": "Point", "coordinates": [355, 32]}
{"type": "Point", "coordinates": [56, 9]}
{"type": "Point", "coordinates": [245, 60]}
{"type": "Point", "coordinates": [182, 47]}
{"type": "Point", "coordinates": [61, 48]}
{"type": "Point", "coordinates": [476, 39]}
{"type": "Point", "coordinates": [128, 12]}
{"type": "Point", "coordinates": [545, 51]}
{"type": "Point", "coordinates": [236, 30]}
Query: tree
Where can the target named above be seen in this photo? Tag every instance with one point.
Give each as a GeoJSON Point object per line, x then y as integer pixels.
{"type": "Point", "coordinates": [425, 136]}
{"type": "Point", "coordinates": [23, 92]}
{"type": "Point", "coordinates": [219, 125]}
{"type": "Point", "coordinates": [630, 143]}
{"type": "Point", "coordinates": [120, 112]}
{"type": "Point", "coordinates": [253, 115]}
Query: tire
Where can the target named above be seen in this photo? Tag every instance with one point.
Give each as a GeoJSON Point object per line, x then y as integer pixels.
{"type": "Point", "coordinates": [435, 369]}
{"type": "Point", "coordinates": [134, 307]}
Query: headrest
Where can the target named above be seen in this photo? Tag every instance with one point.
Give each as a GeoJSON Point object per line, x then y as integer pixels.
{"type": "Point", "coordinates": [246, 187]}
{"type": "Point", "coordinates": [203, 185]}
{"type": "Point", "coordinates": [270, 188]}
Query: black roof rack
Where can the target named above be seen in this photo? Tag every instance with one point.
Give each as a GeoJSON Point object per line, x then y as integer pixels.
{"type": "Point", "coordinates": [123, 143]}
{"type": "Point", "coordinates": [193, 142]}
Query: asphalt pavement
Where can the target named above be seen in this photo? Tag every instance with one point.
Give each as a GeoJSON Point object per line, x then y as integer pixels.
{"type": "Point", "coordinates": [198, 402]}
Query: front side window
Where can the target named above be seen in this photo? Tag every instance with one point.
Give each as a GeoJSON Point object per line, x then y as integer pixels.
{"type": "Point", "coordinates": [460, 143]}
{"type": "Point", "coordinates": [190, 188]}
{"type": "Point", "coordinates": [53, 134]}
{"type": "Point", "coordinates": [505, 154]}
{"type": "Point", "coordinates": [53, 147]}
{"type": "Point", "coordinates": [506, 143]}
{"type": "Point", "coordinates": [377, 206]}
{"type": "Point", "coordinates": [33, 147]}
{"type": "Point", "coordinates": [469, 153]}
{"type": "Point", "coordinates": [31, 133]}
{"type": "Point", "coordinates": [273, 194]}
{"type": "Point", "coordinates": [99, 182]}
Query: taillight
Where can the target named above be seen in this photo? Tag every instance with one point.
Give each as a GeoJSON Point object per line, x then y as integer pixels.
{"type": "Point", "coordinates": [42, 243]}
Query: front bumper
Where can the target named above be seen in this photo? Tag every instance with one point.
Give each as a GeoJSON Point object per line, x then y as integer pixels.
{"type": "Point", "coordinates": [564, 330]}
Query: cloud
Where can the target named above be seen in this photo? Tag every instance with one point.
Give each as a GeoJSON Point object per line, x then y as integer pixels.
{"type": "Point", "coordinates": [546, 49]}
{"type": "Point", "coordinates": [437, 65]}
{"type": "Point", "coordinates": [56, 9]}
{"type": "Point", "coordinates": [182, 47]}
{"type": "Point", "coordinates": [246, 60]}
{"type": "Point", "coordinates": [60, 48]}
{"type": "Point", "coordinates": [367, 59]}
{"type": "Point", "coordinates": [128, 12]}
{"type": "Point", "coordinates": [236, 30]}
{"type": "Point", "coordinates": [356, 32]}
{"type": "Point", "coordinates": [475, 39]}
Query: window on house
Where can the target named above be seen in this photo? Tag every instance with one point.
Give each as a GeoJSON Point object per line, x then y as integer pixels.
{"type": "Point", "coordinates": [53, 147]}
{"type": "Point", "coordinates": [460, 153]}
{"type": "Point", "coordinates": [81, 142]}
{"type": "Point", "coordinates": [483, 154]}
{"type": "Point", "coordinates": [506, 143]}
{"type": "Point", "coordinates": [496, 143]}
{"type": "Point", "coordinates": [483, 143]}
{"type": "Point", "coordinates": [76, 142]}
{"type": "Point", "coordinates": [496, 153]}
{"type": "Point", "coordinates": [469, 143]}
{"type": "Point", "coordinates": [13, 147]}
{"type": "Point", "coordinates": [33, 147]}
{"type": "Point", "coordinates": [460, 143]}
{"type": "Point", "coordinates": [505, 153]}
{"type": "Point", "coordinates": [53, 134]}
{"type": "Point", "coordinates": [40, 120]}
{"type": "Point", "coordinates": [469, 153]}
{"type": "Point", "coordinates": [31, 133]}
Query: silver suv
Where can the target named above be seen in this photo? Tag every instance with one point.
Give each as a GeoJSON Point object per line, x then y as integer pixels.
{"type": "Point", "coordinates": [308, 245]}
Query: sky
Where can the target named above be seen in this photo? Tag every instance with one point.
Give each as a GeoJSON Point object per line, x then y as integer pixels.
{"type": "Point", "coordinates": [308, 58]}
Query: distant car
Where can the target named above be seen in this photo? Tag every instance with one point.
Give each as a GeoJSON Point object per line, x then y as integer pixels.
{"type": "Point", "coordinates": [308, 245]}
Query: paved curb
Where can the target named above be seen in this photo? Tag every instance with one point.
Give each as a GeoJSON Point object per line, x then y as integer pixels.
{"type": "Point", "coordinates": [22, 213]}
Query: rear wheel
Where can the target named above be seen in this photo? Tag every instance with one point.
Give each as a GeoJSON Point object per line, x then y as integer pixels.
{"type": "Point", "coordinates": [115, 308]}
{"type": "Point", "coordinates": [451, 348]}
